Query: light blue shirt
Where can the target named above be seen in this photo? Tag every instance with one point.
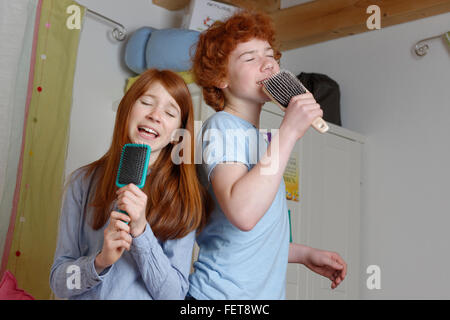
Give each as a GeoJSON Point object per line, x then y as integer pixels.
{"type": "Point", "coordinates": [235, 264]}
{"type": "Point", "coordinates": [152, 269]}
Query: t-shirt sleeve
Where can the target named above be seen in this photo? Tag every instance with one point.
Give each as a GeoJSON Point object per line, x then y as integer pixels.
{"type": "Point", "coordinates": [223, 139]}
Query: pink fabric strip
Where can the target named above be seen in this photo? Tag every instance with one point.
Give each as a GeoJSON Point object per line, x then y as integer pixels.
{"type": "Point", "coordinates": [12, 220]}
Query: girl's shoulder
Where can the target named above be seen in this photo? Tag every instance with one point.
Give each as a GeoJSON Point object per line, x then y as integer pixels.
{"type": "Point", "coordinates": [80, 178]}
{"type": "Point", "coordinates": [78, 175]}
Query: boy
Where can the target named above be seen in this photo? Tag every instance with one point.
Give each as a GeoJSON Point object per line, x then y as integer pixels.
{"type": "Point", "coordinates": [244, 249]}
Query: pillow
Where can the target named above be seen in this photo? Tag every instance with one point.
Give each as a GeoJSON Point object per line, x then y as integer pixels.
{"type": "Point", "coordinates": [135, 49]}
{"type": "Point", "coordinates": [9, 290]}
{"type": "Point", "coordinates": [187, 76]}
{"type": "Point", "coordinates": [171, 49]}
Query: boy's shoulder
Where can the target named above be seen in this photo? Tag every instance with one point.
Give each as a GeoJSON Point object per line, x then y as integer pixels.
{"type": "Point", "coordinates": [225, 120]}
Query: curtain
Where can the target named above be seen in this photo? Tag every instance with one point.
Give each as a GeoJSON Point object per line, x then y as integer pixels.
{"type": "Point", "coordinates": [30, 240]}
{"type": "Point", "coordinates": [17, 19]}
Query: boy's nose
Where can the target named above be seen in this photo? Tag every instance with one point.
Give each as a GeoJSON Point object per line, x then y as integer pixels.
{"type": "Point", "coordinates": [267, 65]}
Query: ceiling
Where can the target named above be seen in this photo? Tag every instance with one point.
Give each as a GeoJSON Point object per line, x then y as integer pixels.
{"type": "Point", "coordinates": [322, 20]}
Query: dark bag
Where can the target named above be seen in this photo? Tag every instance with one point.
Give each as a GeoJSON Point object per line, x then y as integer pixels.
{"type": "Point", "coordinates": [326, 92]}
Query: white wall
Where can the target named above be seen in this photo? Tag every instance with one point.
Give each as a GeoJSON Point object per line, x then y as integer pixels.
{"type": "Point", "coordinates": [402, 105]}
{"type": "Point", "coordinates": [100, 75]}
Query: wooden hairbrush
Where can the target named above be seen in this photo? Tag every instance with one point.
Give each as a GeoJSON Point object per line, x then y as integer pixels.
{"type": "Point", "coordinates": [281, 87]}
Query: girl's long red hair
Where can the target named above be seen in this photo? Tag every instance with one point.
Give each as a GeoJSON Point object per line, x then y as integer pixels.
{"type": "Point", "coordinates": [176, 202]}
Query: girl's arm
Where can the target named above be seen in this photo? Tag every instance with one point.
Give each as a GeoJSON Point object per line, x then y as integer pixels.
{"type": "Point", "coordinates": [163, 267]}
{"type": "Point", "coordinates": [245, 196]}
{"type": "Point", "coordinates": [71, 273]}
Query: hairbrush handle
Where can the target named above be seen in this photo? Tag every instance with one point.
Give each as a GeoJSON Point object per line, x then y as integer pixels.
{"type": "Point", "coordinates": [320, 125]}
{"type": "Point", "coordinates": [121, 211]}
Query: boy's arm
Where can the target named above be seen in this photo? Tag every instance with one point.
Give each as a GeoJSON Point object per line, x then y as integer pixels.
{"type": "Point", "coordinates": [326, 263]}
{"type": "Point", "coordinates": [245, 196]}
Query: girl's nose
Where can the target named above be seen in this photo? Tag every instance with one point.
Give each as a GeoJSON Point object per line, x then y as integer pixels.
{"type": "Point", "coordinates": [154, 114]}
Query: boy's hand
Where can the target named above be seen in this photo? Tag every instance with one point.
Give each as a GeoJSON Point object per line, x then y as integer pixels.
{"type": "Point", "coordinates": [328, 264]}
{"type": "Point", "coordinates": [300, 113]}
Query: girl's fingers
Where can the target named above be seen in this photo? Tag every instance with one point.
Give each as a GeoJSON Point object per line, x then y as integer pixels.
{"type": "Point", "coordinates": [117, 217]}
{"type": "Point", "coordinates": [133, 191]}
{"type": "Point", "coordinates": [121, 226]}
{"type": "Point", "coordinates": [129, 198]}
{"type": "Point", "coordinates": [121, 239]}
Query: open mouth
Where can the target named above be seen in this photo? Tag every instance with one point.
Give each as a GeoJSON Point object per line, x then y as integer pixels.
{"type": "Point", "coordinates": [147, 132]}
{"type": "Point", "coordinates": [261, 82]}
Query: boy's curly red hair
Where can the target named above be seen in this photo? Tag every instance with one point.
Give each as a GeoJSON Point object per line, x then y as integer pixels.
{"type": "Point", "coordinates": [215, 45]}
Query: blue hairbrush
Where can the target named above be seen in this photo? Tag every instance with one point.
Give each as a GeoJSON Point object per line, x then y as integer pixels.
{"type": "Point", "coordinates": [133, 165]}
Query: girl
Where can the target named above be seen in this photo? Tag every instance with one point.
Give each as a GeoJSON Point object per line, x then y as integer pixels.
{"type": "Point", "coordinates": [244, 249]}
{"type": "Point", "coordinates": [99, 255]}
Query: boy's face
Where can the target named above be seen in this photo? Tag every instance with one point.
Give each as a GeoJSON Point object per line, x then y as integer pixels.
{"type": "Point", "coordinates": [250, 63]}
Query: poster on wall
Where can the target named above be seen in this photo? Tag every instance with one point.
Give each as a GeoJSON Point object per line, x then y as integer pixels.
{"type": "Point", "coordinates": [291, 178]}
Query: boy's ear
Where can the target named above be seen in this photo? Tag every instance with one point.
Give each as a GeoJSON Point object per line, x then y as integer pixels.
{"type": "Point", "coordinates": [222, 84]}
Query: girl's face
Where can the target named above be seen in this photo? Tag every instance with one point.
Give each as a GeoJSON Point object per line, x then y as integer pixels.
{"type": "Point", "coordinates": [153, 119]}
{"type": "Point", "coordinates": [248, 64]}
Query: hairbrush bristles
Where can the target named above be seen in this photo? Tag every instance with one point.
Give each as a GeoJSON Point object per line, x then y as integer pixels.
{"type": "Point", "coordinates": [133, 165]}
{"type": "Point", "coordinates": [281, 87]}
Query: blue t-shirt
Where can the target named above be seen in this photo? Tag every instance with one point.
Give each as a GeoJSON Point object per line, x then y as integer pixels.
{"type": "Point", "coordinates": [234, 264]}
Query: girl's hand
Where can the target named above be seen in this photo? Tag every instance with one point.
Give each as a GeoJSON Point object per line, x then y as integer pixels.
{"type": "Point", "coordinates": [300, 113]}
{"type": "Point", "coordinates": [133, 201]}
{"type": "Point", "coordinates": [116, 239]}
